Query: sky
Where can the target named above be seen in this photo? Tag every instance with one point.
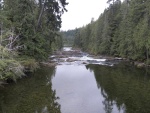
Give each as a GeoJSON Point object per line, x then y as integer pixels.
{"type": "Point", "coordinates": [80, 12]}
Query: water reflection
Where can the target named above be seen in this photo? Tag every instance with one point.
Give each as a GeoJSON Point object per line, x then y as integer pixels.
{"type": "Point", "coordinates": [124, 86]}
{"type": "Point", "coordinates": [77, 88]}
{"type": "Point", "coordinates": [82, 89]}
{"type": "Point", "coordinates": [30, 95]}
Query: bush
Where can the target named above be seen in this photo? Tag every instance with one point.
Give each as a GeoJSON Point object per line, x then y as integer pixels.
{"type": "Point", "coordinates": [10, 69]}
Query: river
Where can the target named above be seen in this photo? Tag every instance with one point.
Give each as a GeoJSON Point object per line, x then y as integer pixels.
{"type": "Point", "coordinates": [83, 85]}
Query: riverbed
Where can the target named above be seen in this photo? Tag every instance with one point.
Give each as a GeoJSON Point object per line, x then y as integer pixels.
{"type": "Point", "coordinates": [80, 83]}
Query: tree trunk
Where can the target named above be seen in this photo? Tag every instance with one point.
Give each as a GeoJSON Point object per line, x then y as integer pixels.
{"type": "Point", "coordinates": [40, 15]}
{"type": "Point", "coordinates": [1, 33]}
{"type": "Point", "coordinates": [1, 40]}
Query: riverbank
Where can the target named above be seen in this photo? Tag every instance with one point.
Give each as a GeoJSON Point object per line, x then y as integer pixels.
{"type": "Point", "coordinates": [80, 82]}
{"type": "Point", "coordinates": [69, 55]}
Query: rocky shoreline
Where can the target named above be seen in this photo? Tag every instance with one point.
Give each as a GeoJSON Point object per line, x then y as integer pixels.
{"type": "Point", "coordinates": [72, 55]}
{"type": "Point", "coordinates": [68, 56]}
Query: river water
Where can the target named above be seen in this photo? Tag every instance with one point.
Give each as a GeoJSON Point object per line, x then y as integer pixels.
{"type": "Point", "coordinates": [80, 88]}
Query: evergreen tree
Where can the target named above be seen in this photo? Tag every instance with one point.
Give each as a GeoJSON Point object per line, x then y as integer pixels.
{"type": "Point", "coordinates": [28, 30]}
{"type": "Point", "coordinates": [36, 23]}
{"type": "Point", "coordinates": [122, 30]}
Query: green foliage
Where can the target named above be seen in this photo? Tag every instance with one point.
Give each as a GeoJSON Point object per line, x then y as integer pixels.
{"type": "Point", "coordinates": [13, 67]}
{"type": "Point", "coordinates": [31, 95]}
{"type": "Point", "coordinates": [28, 28]}
{"type": "Point", "coordinates": [29, 64]}
{"type": "Point", "coordinates": [9, 66]}
{"type": "Point", "coordinates": [68, 37]}
{"type": "Point", "coordinates": [36, 23]}
{"type": "Point", "coordinates": [10, 69]}
{"type": "Point", "coordinates": [122, 30]}
{"type": "Point", "coordinates": [124, 86]}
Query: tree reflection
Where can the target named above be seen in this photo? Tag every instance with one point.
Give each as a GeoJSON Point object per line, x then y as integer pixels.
{"type": "Point", "coordinates": [125, 86]}
{"type": "Point", "coordinates": [33, 94]}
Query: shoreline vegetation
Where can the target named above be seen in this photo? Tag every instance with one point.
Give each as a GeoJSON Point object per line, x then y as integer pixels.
{"type": "Point", "coordinates": [31, 65]}
{"type": "Point", "coordinates": [138, 64]}
{"type": "Point", "coordinates": [122, 30]}
{"type": "Point", "coordinates": [77, 52]}
{"type": "Point", "coordinates": [29, 32]}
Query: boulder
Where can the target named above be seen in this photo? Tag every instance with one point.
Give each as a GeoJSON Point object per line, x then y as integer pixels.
{"type": "Point", "coordinates": [70, 60]}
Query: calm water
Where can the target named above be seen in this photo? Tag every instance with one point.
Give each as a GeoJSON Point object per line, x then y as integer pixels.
{"type": "Point", "coordinates": [79, 89]}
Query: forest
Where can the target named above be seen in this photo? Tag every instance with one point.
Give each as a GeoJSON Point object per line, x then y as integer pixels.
{"type": "Point", "coordinates": [102, 67]}
{"type": "Point", "coordinates": [122, 30]}
{"type": "Point", "coordinates": [68, 37]}
{"type": "Point", "coordinates": [29, 32]}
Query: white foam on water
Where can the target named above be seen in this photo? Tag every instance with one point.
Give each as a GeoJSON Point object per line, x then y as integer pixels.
{"type": "Point", "coordinates": [67, 48]}
{"type": "Point", "coordinates": [86, 58]}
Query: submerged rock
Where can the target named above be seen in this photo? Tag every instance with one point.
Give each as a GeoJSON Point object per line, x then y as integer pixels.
{"type": "Point", "coordinates": [68, 56]}
{"type": "Point", "coordinates": [139, 64]}
{"type": "Point", "coordinates": [70, 60]}
{"type": "Point", "coordinates": [85, 63]}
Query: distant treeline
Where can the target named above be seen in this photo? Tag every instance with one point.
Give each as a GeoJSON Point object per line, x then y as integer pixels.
{"type": "Point", "coordinates": [68, 37]}
{"type": "Point", "coordinates": [122, 30]}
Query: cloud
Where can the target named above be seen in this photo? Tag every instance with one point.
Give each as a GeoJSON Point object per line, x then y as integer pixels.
{"type": "Point", "coordinates": [80, 12]}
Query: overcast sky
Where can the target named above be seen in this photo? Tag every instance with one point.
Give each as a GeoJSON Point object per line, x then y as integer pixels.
{"type": "Point", "coordinates": [80, 12]}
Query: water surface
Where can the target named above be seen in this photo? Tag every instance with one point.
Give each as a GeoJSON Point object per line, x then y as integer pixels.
{"type": "Point", "coordinates": [79, 88]}
{"type": "Point", "coordinates": [32, 94]}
